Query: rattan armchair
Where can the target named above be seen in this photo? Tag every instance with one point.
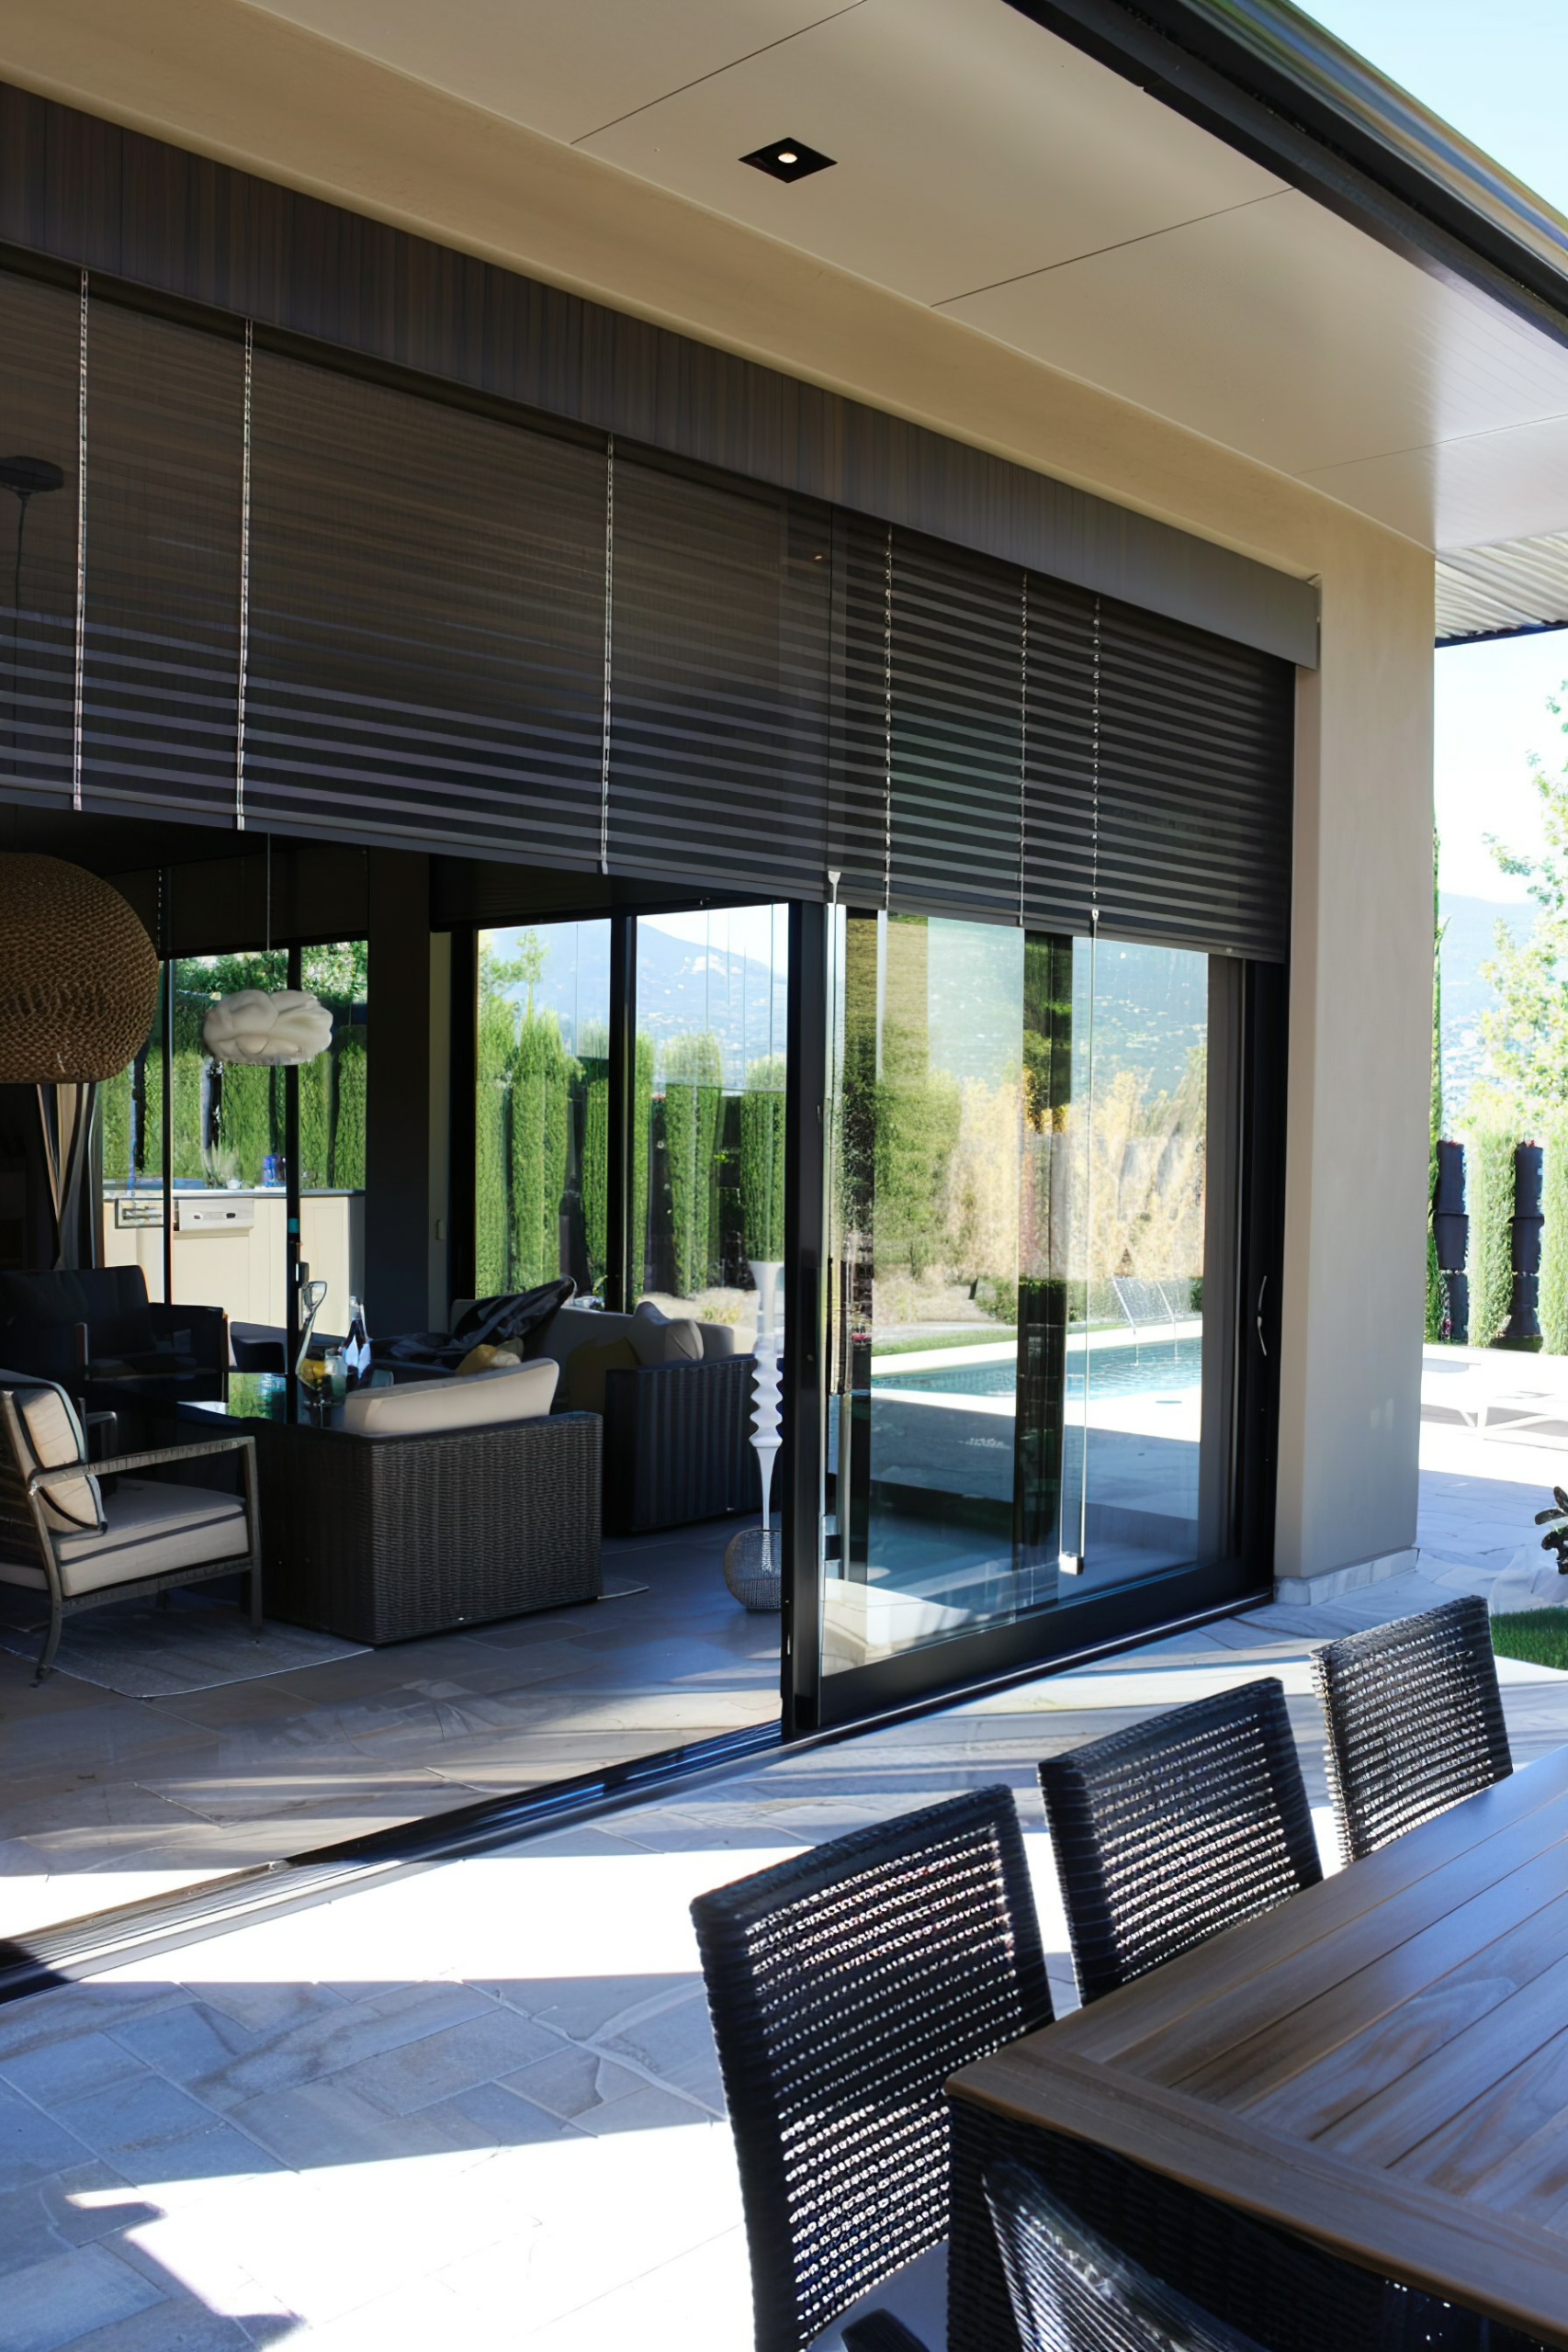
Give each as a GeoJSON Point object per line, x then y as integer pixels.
{"type": "Point", "coordinates": [1166, 1833]}
{"type": "Point", "coordinates": [1071, 2292]}
{"type": "Point", "coordinates": [64, 1539]}
{"type": "Point", "coordinates": [845, 1987]}
{"type": "Point", "coordinates": [1415, 1721]}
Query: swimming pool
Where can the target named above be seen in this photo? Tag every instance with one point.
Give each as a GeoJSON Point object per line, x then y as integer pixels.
{"type": "Point", "coordinates": [1116, 1368]}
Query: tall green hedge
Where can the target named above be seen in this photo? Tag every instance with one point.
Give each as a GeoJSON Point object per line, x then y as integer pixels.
{"type": "Point", "coordinates": [315, 1123]}
{"type": "Point", "coordinates": [693, 1081]}
{"type": "Point", "coordinates": [114, 1125]}
{"type": "Point", "coordinates": [641, 1158]}
{"type": "Point", "coordinates": [594, 1163]}
{"type": "Point", "coordinates": [348, 1123]}
{"type": "Point", "coordinates": [915, 1132]}
{"type": "Point", "coordinates": [763, 1158]}
{"type": "Point", "coordinates": [1554, 1236]}
{"type": "Point", "coordinates": [1489, 1198]}
{"type": "Point", "coordinates": [541, 1111]}
{"type": "Point", "coordinates": [497, 1044]}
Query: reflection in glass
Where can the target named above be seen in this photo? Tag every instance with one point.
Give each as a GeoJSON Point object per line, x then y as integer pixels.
{"type": "Point", "coordinates": [1137, 1131]}
{"type": "Point", "coordinates": [541, 1156]}
{"type": "Point", "coordinates": [707, 1154]}
{"type": "Point", "coordinates": [1017, 1200]}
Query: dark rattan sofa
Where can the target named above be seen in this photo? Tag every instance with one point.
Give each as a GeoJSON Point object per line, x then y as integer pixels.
{"type": "Point", "coordinates": [380, 1539]}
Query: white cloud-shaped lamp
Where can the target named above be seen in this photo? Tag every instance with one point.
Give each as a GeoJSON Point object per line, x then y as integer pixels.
{"type": "Point", "coordinates": [280, 1027]}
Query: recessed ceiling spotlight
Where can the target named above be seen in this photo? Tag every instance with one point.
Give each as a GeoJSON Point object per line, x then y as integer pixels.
{"type": "Point", "coordinates": [789, 159]}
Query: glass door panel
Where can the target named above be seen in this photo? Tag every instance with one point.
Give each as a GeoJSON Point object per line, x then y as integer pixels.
{"type": "Point", "coordinates": [1137, 1138]}
{"type": "Point", "coordinates": [541, 1111]}
{"type": "Point", "coordinates": [1022, 1394]}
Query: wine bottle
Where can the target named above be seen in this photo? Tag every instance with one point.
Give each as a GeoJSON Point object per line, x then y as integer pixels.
{"type": "Point", "coordinates": [356, 1346]}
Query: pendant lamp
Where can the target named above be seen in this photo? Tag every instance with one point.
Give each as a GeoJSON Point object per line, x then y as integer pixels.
{"type": "Point", "coordinates": [78, 975]}
{"type": "Point", "coordinates": [281, 1027]}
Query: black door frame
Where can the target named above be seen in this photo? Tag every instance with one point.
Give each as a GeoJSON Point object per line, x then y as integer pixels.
{"type": "Point", "coordinates": [1050, 1636]}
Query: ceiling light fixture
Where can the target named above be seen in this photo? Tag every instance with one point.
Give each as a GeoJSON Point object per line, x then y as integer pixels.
{"type": "Point", "coordinates": [788, 159]}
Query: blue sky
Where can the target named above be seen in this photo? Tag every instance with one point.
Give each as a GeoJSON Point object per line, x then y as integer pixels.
{"type": "Point", "coordinates": [1498, 74]}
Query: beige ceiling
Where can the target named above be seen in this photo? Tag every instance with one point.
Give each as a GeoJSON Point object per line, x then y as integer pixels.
{"type": "Point", "coordinates": [986, 169]}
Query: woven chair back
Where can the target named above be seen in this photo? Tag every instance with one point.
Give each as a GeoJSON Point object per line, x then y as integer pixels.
{"type": "Point", "coordinates": [1415, 1721]}
{"type": "Point", "coordinates": [1071, 2292]}
{"type": "Point", "coordinates": [845, 1987]}
{"type": "Point", "coordinates": [1183, 1825]}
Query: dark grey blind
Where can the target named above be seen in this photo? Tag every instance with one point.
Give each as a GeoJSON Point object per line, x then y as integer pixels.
{"type": "Point", "coordinates": [161, 641]}
{"type": "Point", "coordinates": [426, 623]}
{"type": "Point", "coordinates": [39, 377]}
{"type": "Point", "coordinates": [1196, 740]}
{"type": "Point", "coordinates": [1007, 747]}
{"type": "Point", "coordinates": [719, 686]}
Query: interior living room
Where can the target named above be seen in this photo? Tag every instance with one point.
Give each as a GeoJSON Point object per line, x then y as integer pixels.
{"type": "Point", "coordinates": [537, 1592]}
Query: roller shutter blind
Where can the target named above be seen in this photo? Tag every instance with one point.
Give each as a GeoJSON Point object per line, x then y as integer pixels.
{"type": "Point", "coordinates": [1195, 739]}
{"type": "Point", "coordinates": [40, 417]}
{"type": "Point", "coordinates": [426, 623]}
{"type": "Point", "coordinates": [161, 639]}
{"type": "Point", "coordinates": [719, 686]}
{"type": "Point", "coordinates": [1013, 748]}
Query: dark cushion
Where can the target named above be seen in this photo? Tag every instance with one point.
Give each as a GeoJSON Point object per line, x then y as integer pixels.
{"type": "Point", "coordinates": [501, 1321]}
{"type": "Point", "coordinates": [586, 1369]}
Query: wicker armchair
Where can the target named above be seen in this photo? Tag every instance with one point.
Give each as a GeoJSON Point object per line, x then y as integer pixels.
{"type": "Point", "coordinates": [1071, 2292]}
{"type": "Point", "coordinates": [1169, 1832]}
{"type": "Point", "coordinates": [845, 1987]}
{"type": "Point", "coordinates": [1414, 1721]}
{"type": "Point", "coordinates": [62, 1538]}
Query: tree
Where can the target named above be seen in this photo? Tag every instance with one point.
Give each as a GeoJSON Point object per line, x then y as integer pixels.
{"type": "Point", "coordinates": [1489, 1191]}
{"type": "Point", "coordinates": [348, 1123]}
{"type": "Point", "coordinates": [1527, 1033]}
{"type": "Point", "coordinates": [541, 1112]}
{"type": "Point", "coordinates": [693, 1080]}
{"type": "Point", "coordinates": [496, 1046]}
{"type": "Point", "coordinates": [763, 1158]}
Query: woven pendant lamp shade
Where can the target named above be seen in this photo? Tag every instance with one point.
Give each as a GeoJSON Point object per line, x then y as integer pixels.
{"type": "Point", "coordinates": [78, 975]}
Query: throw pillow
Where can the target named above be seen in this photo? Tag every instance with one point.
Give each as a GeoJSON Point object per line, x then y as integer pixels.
{"type": "Point", "coordinates": [665, 1339]}
{"type": "Point", "coordinates": [586, 1368]}
{"type": "Point", "coordinates": [53, 1437]}
{"type": "Point", "coordinates": [488, 1359]}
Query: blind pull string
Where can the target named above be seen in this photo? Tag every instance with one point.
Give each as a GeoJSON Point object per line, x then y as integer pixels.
{"type": "Point", "coordinates": [1023, 744]}
{"type": "Point", "coordinates": [887, 720]}
{"type": "Point", "coordinates": [609, 648]}
{"type": "Point", "coordinates": [244, 587]}
{"type": "Point", "coordinates": [78, 693]}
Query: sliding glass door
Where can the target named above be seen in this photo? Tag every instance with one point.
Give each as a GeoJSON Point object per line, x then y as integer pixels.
{"type": "Point", "coordinates": [1033, 1228]}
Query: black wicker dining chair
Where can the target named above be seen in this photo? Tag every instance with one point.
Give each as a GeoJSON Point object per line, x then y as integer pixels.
{"type": "Point", "coordinates": [1071, 2292]}
{"type": "Point", "coordinates": [1166, 1833]}
{"type": "Point", "coordinates": [1415, 1721]}
{"type": "Point", "coordinates": [845, 1987]}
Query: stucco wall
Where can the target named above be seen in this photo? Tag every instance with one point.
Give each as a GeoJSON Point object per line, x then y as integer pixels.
{"type": "Point", "coordinates": [231, 82]}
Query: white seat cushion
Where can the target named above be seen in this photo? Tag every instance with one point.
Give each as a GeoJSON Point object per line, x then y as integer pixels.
{"type": "Point", "coordinates": [153, 1528]}
{"type": "Point", "coordinates": [423, 1407]}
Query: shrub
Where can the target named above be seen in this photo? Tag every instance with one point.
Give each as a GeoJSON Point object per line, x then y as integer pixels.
{"type": "Point", "coordinates": [496, 1046]}
{"type": "Point", "coordinates": [763, 1158]}
{"type": "Point", "coordinates": [694, 1077]}
{"type": "Point", "coordinates": [1489, 1168]}
{"type": "Point", "coordinates": [1554, 1235]}
{"type": "Point", "coordinates": [541, 1090]}
{"type": "Point", "coordinates": [348, 1125]}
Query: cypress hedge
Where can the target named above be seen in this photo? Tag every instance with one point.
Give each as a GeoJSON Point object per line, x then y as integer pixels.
{"type": "Point", "coordinates": [1489, 1186]}
{"type": "Point", "coordinates": [1554, 1236]}
{"type": "Point", "coordinates": [348, 1124]}
{"type": "Point", "coordinates": [763, 1158]}
{"type": "Point", "coordinates": [541, 1109]}
{"type": "Point", "coordinates": [693, 1081]}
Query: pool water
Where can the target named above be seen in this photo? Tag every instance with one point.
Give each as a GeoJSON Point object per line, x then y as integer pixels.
{"type": "Point", "coordinates": [1115, 1369]}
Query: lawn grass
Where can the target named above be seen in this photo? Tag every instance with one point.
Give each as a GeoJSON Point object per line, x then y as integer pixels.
{"type": "Point", "coordinates": [1539, 1636]}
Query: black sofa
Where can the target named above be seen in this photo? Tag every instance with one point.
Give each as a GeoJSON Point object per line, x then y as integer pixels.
{"type": "Point", "coordinates": [95, 1325]}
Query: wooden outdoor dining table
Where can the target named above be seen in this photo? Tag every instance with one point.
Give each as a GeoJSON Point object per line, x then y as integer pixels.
{"type": "Point", "coordinates": [1369, 2084]}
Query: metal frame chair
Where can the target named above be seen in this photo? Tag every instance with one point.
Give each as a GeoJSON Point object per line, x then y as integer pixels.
{"type": "Point", "coordinates": [1166, 1833]}
{"type": "Point", "coordinates": [29, 1538]}
{"type": "Point", "coordinates": [1415, 1721]}
{"type": "Point", "coordinates": [845, 1987]}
